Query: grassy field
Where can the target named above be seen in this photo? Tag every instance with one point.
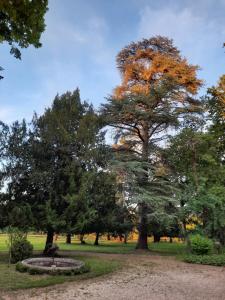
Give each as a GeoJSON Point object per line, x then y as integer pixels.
{"type": "Point", "coordinates": [38, 242]}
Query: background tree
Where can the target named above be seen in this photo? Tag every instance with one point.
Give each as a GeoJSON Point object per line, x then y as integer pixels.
{"type": "Point", "coordinates": [16, 170]}
{"type": "Point", "coordinates": [98, 191]}
{"type": "Point", "coordinates": [200, 171]}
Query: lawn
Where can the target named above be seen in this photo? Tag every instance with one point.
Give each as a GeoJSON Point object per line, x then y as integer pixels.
{"type": "Point", "coordinates": [38, 242]}
{"type": "Point", "coordinates": [10, 279]}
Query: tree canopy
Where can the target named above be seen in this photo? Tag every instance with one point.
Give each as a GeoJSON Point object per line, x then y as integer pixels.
{"type": "Point", "coordinates": [22, 23]}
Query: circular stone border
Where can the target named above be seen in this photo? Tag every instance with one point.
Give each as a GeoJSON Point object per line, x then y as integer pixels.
{"type": "Point", "coordinates": [77, 266]}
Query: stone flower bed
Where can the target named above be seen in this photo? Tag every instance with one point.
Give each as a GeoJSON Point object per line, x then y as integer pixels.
{"type": "Point", "coordinates": [56, 266]}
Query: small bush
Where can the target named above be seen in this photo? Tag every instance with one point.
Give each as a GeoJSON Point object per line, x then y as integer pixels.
{"type": "Point", "coordinates": [214, 260]}
{"type": "Point", "coordinates": [20, 249]}
{"type": "Point", "coordinates": [21, 268]}
{"type": "Point", "coordinates": [200, 245]}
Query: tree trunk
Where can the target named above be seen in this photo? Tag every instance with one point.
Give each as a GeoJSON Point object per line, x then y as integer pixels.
{"type": "Point", "coordinates": [171, 239]}
{"type": "Point", "coordinates": [68, 238]}
{"type": "Point", "coordinates": [142, 242]}
{"type": "Point", "coordinates": [82, 241]}
{"type": "Point", "coordinates": [108, 237]}
{"type": "Point", "coordinates": [143, 207]}
{"type": "Point", "coordinates": [49, 240]}
{"type": "Point", "coordinates": [184, 225]}
{"type": "Point", "coordinates": [156, 238]}
{"type": "Point", "coordinates": [125, 238]}
{"type": "Point", "coordinates": [222, 236]}
{"type": "Point", "coordinates": [96, 239]}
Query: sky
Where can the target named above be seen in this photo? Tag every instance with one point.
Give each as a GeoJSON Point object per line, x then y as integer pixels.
{"type": "Point", "coordinates": [83, 37]}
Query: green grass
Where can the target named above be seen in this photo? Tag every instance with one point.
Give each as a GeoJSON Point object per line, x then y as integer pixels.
{"type": "Point", "coordinates": [38, 242]}
{"type": "Point", "coordinates": [10, 279]}
{"type": "Point", "coordinates": [165, 248]}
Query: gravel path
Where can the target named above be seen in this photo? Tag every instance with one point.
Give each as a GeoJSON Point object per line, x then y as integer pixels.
{"type": "Point", "coordinates": [145, 277]}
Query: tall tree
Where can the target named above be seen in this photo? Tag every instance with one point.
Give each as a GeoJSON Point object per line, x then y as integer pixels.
{"type": "Point", "coordinates": [66, 141]}
{"type": "Point", "coordinates": [43, 159]}
{"type": "Point", "coordinates": [156, 93]}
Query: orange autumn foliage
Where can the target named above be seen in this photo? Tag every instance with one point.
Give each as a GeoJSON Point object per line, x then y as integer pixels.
{"type": "Point", "coordinates": [144, 67]}
{"type": "Point", "coordinates": [219, 92]}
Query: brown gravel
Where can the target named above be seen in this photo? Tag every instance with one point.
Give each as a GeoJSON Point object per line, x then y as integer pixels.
{"type": "Point", "coordinates": [144, 277]}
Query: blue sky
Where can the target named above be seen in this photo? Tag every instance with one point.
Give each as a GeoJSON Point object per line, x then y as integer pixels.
{"type": "Point", "coordinates": [82, 38]}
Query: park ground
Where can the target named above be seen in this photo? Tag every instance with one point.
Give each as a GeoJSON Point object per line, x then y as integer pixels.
{"type": "Point", "coordinates": [126, 274]}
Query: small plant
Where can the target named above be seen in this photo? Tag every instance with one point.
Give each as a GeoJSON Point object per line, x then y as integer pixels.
{"type": "Point", "coordinates": [218, 247]}
{"type": "Point", "coordinates": [19, 247]}
{"type": "Point", "coordinates": [200, 245]}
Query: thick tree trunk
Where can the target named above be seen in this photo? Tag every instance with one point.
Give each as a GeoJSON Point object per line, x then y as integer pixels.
{"type": "Point", "coordinates": [96, 239]}
{"type": "Point", "coordinates": [171, 239]}
{"type": "Point", "coordinates": [143, 207]}
{"type": "Point", "coordinates": [49, 240]}
{"type": "Point", "coordinates": [142, 242]}
{"type": "Point", "coordinates": [82, 241]}
{"type": "Point", "coordinates": [156, 238]}
{"type": "Point", "coordinates": [108, 237]}
{"type": "Point", "coordinates": [68, 238]}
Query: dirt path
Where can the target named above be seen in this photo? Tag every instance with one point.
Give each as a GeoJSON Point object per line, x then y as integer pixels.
{"type": "Point", "coordinates": [145, 277]}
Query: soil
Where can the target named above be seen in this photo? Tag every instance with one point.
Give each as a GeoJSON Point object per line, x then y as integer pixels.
{"type": "Point", "coordinates": [144, 276]}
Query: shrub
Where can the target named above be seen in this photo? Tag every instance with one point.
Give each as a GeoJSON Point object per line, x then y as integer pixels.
{"type": "Point", "coordinates": [200, 245]}
{"type": "Point", "coordinates": [214, 260]}
{"type": "Point", "coordinates": [19, 247]}
{"type": "Point", "coordinates": [21, 268]}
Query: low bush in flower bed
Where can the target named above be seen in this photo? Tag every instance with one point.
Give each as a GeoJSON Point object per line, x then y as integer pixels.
{"type": "Point", "coordinates": [214, 259]}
